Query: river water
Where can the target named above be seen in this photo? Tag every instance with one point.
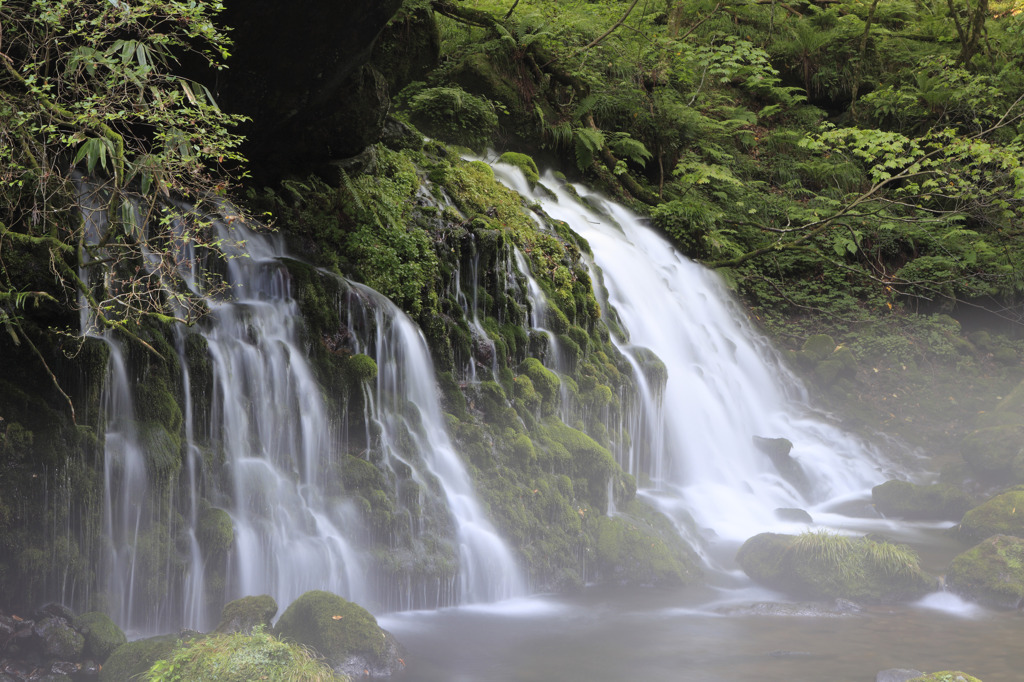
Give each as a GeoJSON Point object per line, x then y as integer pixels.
{"type": "Point", "coordinates": [705, 634]}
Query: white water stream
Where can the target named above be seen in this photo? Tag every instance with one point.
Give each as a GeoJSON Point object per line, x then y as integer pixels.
{"type": "Point", "coordinates": [693, 444]}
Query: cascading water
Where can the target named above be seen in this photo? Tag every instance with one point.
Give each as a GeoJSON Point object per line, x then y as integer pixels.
{"type": "Point", "coordinates": [260, 458]}
{"type": "Point", "coordinates": [405, 383]}
{"type": "Point", "coordinates": [694, 438]}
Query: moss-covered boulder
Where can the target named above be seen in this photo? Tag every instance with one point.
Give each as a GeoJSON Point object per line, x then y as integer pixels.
{"type": "Point", "coordinates": [102, 636]}
{"type": "Point", "coordinates": [827, 566]}
{"type": "Point", "coordinates": [639, 546]}
{"type": "Point", "coordinates": [991, 573]}
{"type": "Point", "coordinates": [216, 531]}
{"type": "Point", "coordinates": [246, 614]}
{"type": "Point", "coordinates": [130, 661]}
{"type": "Point", "coordinates": [996, 452]}
{"type": "Point", "coordinates": [946, 676]}
{"type": "Point", "coordinates": [344, 633]}
{"type": "Point", "coordinates": [901, 499]}
{"type": "Point", "coordinates": [524, 163]}
{"type": "Point", "coordinates": [998, 516]}
{"type": "Point", "coordinates": [240, 657]}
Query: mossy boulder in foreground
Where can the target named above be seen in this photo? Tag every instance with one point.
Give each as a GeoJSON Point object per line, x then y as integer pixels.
{"type": "Point", "coordinates": [991, 572]}
{"type": "Point", "coordinates": [246, 614]}
{"type": "Point", "coordinates": [102, 636]}
{"type": "Point", "coordinates": [904, 500]}
{"type": "Point", "coordinates": [946, 676]}
{"type": "Point", "coordinates": [827, 566]}
{"type": "Point", "coordinates": [130, 661]}
{"type": "Point", "coordinates": [1002, 515]}
{"type": "Point", "coordinates": [344, 633]}
{"type": "Point", "coordinates": [239, 657]}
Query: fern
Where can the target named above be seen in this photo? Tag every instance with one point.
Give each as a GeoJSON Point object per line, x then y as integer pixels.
{"type": "Point", "coordinates": [626, 147]}
{"type": "Point", "coordinates": [589, 143]}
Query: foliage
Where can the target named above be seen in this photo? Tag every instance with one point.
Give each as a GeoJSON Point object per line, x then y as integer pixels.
{"type": "Point", "coordinates": [91, 88]}
{"type": "Point", "coordinates": [454, 115]}
{"type": "Point", "coordinates": [240, 657]}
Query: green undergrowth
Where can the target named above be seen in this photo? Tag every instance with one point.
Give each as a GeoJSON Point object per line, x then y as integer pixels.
{"type": "Point", "coordinates": [240, 658]}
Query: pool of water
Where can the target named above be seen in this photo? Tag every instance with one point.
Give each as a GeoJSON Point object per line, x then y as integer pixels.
{"type": "Point", "coordinates": [654, 635]}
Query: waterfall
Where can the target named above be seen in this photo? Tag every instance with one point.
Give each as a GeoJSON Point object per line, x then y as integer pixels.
{"type": "Point", "coordinates": [695, 439]}
{"type": "Point", "coordinates": [487, 570]}
{"type": "Point", "coordinates": [255, 507]}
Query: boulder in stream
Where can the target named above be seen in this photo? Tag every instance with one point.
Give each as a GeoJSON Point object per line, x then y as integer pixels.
{"type": "Point", "coordinates": [344, 633]}
{"type": "Point", "coordinates": [998, 516]}
{"type": "Point", "coordinates": [905, 500]}
{"type": "Point", "coordinates": [991, 573]}
{"type": "Point", "coordinates": [827, 566]}
{"type": "Point", "coordinates": [247, 613]}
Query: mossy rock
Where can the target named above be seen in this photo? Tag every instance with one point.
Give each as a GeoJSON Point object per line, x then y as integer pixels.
{"type": "Point", "coordinates": [216, 531]}
{"type": "Point", "coordinates": [102, 636]}
{"type": "Point", "coordinates": [246, 614]}
{"type": "Point", "coordinates": [991, 573]}
{"type": "Point", "coordinates": [361, 368]}
{"type": "Point", "coordinates": [240, 657]}
{"type": "Point", "coordinates": [901, 499]}
{"type": "Point", "coordinates": [130, 661]}
{"type": "Point", "coordinates": [827, 566]}
{"type": "Point", "coordinates": [640, 547]}
{"type": "Point", "coordinates": [343, 632]}
{"type": "Point", "coordinates": [998, 516]}
{"type": "Point", "coordinates": [818, 347]}
{"type": "Point", "coordinates": [996, 452]}
{"type": "Point", "coordinates": [945, 676]}
{"type": "Point", "coordinates": [524, 163]}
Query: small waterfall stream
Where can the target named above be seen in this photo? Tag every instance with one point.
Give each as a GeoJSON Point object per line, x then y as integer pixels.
{"type": "Point", "coordinates": [725, 385]}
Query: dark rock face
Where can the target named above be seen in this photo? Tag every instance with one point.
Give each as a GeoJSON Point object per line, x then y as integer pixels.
{"type": "Point", "coordinates": [300, 71]}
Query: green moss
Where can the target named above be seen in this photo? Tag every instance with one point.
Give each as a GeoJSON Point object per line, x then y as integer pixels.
{"type": "Point", "coordinates": [997, 516]}
{"type": "Point", "coordinates": [818, 347]}
{"type": "Point", "coordinates": [524, 163]}
{"type": "Point", "coordinates": [216, 532]}
{"type": "Point", "coordinates": [827, 566]}
{"type": "Point", "coordinates": [945, 676]}
{"type": "Point", "coordinates": [332, 626]}
{"type": "Point", "coordinates": [361, 368]}
{"type": "Point", "coordinates": [544, 381]}
{"type": "Point", "coordinates": [163, 451]}
{"type": "Point", "coordinates": [991, 572]}
{"type": "Point", "coordinates": [102, 636]}
{"type": "Point", "coordinates": [131, 661]}
{"type": "Point", "coordinates": [247, 613]}
{"type": "Point", "coordinates": [637, 547]}
{"type": "Point", "coordinates": [900, 499]}
{"type": "Point", "coordinates": [240, 658]}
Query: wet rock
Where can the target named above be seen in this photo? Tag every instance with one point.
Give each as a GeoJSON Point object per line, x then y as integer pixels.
{"type": "Point", "coordinates": [901, 499]}
{"type": "Point", "coordinates": [778, 451]}
{"type": "Point", "coordinates": [897, 675]}
{"type": "Point", "coordinates": [242, 615]}
{"type": "Point", "coordinates": [991, 573]}
{"type": "Point", "coordinates": [838, 608]}
{"type": "Point", "coordinates": [793, 514]}
{"type": "Point", "coordinates": [344, 633]}
{"type": "Point", "coordinates": [57, 610]}
{"type": "Point", "coordinates": [59, 639]}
